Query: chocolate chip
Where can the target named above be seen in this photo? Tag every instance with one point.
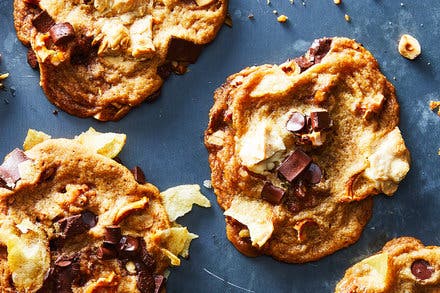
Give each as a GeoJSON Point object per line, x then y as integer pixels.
{"type": "Point", "coordinates": [128, 247]}
{"type": "Point", "coordinates": [319, 49]}
{"type": "Point", "coordinates": [138, 174]}
{"type": "Point", "coordinates": [62, 33]}
{"type": "Point", "coordinates": [146, 283]}
{"type": "Point", "coordinates": [303, 63]}
{"type": "Point", "coordinates": [147, 259]}
{"type": "Point", "coordinates": [320, 120]}
{"type": "Point", "coordinates": [113, 234]}
{"type": "Point", "coordinates": [272, 193]}
{"type": "Point", "coordinates": [165, 70]}
{"type": "Point", "coordinates": [83, 50]}
{"type": "Point", "coordinates": [313, 174]}
{"type": "Point", "coordinates": [9, 173]}
{"type": "Point", "coordinates": [43, 22]}
{"type": "Point", "coordinates": [32, 59]}
{"type": "Point", "coordinates": [66, 270]}
{"type": "Point", "coordinates": [296, 122]}
{"type": "Point", "coordinates": [107, 251]}
{"type": "Point", "coordinates": [422, 269]}
{"type": "Point", "coordinates": [159, 281]}
{"type": "Point", "coordinates": [89, 218]}
{"type": "Point", "coordinates": [294, 165]}
{"type": "Point", "coordinates": [183, 50]}
{"type": "Point", "coordinates": [77, 224]}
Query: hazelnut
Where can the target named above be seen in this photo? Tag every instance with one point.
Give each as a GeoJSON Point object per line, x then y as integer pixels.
{"type": "Point", "coordinates": [409, 47]}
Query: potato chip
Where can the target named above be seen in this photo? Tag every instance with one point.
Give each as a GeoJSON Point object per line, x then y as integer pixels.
{"type": "Point", "coordinates": [176, 241]}
{"type": "Point", "coordinates": [33, 138]}
{"type": "Point", "coordinates": [179, 200]}
{"type": "Point", "coordinates": [108, 144]}
{"type": "Point", "coordinates": [256, 215]}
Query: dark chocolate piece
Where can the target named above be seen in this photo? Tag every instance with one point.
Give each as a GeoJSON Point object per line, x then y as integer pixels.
{"type": "Point", "coordinates": [138, 174]}
{"type": "Point", "coordinates": [165, 70]}
{"type": "Point", "coordinates": [146, 282]}
{"type": "Point", "coordinates": [294, 165]}
{"type": "Point", "coordinates": [319, 49]}
{"type": "Point", "coordinates": [32, 59]}
{"type": "Point", "coordinates": [43, 22]}
{"type": "Point", "coordinates": [62, 33]}
{"type": "Point", "coordinates": [320, 120]}
{"type": "Point", "coordinates": [313, 174]}
{"type": "Point", "coordinates": [183, 50]}
{"type": "Point", "coordinates": [159, 280]}
{"type": "Point", "coordinates": [9, 173]}
{"type": "Point", "coordinates": [107, 251]}
{"type": "Point", "coordinates": [296, 122]}
{"type": "Point", "coordinates": [272, 193]}
{"type": "Point", "coordinates": [422, 269]}
{"type": "Point", "coordinates": [113, 234]}
{"type": "Point", "coordinates": [77, 224]}
{"type": "Point", "coordinates": [303, 63]}
{"type": "Point", "coordinates": [128, 247]}
{"type": "Point", "coordinates": [32, 2]}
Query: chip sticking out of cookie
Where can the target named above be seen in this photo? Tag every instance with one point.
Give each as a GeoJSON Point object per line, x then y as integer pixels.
{"type": "Point", "coordinates": [403, 265]}
{"type": "Point", "coordinates": [75, 220]}
{"type": "Point", "coordinates": [297, 150]}
{"type": "Point", "coordinates": [101, 58]}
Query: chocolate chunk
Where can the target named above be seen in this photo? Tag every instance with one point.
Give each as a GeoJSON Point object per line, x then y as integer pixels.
{"type": "Point", "coordinates": [77, 224]}
{"type": "Point", "coordinates": [43, 22]}
{"type": "Point", "coordinates": [313, 174]}
{"type": "Point", "coordinates": [147, 259]}
{"type": "Point", "coordinates": [272, 193]}
{"type": "Point", "coordinates": [319, 49]}
{"type": "Point", "coordinates": [62, 33]}
{"type": "Point", "coordinates": [183, 50]}
{"type": "Point", "coordinates": [159, 281]}
{"type": "Point", "coordinates": [32, 2]}
{"type": "Point", "coordinates": [9, 173]}
{"type": "Point", "coordinates": [303, 63]}
{"type": "Point", "coordinates": [113, 234]}
{"type": "Point", "coordinates": [294, 165]}
{"type": "Point", "coordinates": [83, 50]}
{"type": "Point", "coordinates": [66, 270]}
{"type": "Point", "coordinates": [422, 269]}
{"type": "Point", "coordinates": [138, 174]}
{"type": "Point", "coordinates": [165, 70]}
{"type": "Point", "coordinates": [107, 251]}
{"type": "Point", "coordinates": [32, 59]}
{"type": "Point", "coordinates": [320, 120]}
{"type": "Point", "coordinates": [146, 283]}
{"type": "Point", "coordinates": [128, 247]}
{"type": "Point", "coordinates": [296, 122]}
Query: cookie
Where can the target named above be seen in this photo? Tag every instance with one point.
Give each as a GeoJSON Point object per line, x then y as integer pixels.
{"type": "Point", "coordinates": [74, 220]}
{"type": "Point", "coordinates": [403, 265]}
{"type": "Point", "coordinates": [296, 150]}
{"type": "Point", "coordinates": [100, 58]}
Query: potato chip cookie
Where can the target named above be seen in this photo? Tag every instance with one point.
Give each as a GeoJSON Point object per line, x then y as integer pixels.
{"type": "Point", "coordinates": [403, 265]}
{"type": "Point", "coordinates": [100, 58]}
{"type": "Point", "coordinates": [74, 220]}
{"type": "Point", "coordinates": [297, 149]}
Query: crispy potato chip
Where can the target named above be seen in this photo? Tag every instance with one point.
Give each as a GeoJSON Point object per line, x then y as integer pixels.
{"type": "Point", "coordinates": [377, 271]}
{"type": "Point", "coordinates": [256, 215]}
{"type": "Point", "coordinates": [179, 200]}
{"type": "Point", "coordinates": [33, 138]}
{"type": "Point", "coordinates": [108, 144]}
{"type": "Point", "coordinates": [176, 241]}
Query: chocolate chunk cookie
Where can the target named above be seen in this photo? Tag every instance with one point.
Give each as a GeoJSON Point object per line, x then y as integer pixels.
{"type": "Point", "coordinates": [297, 149]}
{"type": "Point", "coordinates": [73, 220]}
{"type": "Point", "coordinates": [100, 58]}
{"type": "Point", "coordinates": [403, 265]}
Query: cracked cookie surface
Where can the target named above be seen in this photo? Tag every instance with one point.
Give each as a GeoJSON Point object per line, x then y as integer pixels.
{"type": "Point", "coordinates": [100, 58]}
{"type": "Point", "coordinates": [296, 150]}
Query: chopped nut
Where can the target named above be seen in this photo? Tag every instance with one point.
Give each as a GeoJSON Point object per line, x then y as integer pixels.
{"type": "Point", "coordinates": [2, 77]}
{"type": "Point", "coordinates": [347, 18]}
{"type": "Point", "coordinates": [282, 18]}
{"type": "Point", "coordinates": [409, 47]}
{"type": "Point", "coordinates": [244, 233]}
{"type": "Point", "coordinates": [207, 183]}
{"type": "Point", "coordinates": [217, 138]}
{"type": "Point", "coordinates": [131, 268]}
{"type": "Point", "coordinates": [130, 208]}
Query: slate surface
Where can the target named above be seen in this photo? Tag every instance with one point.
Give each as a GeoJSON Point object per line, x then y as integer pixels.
{"type": "Point", "coordinates": [165, 137]}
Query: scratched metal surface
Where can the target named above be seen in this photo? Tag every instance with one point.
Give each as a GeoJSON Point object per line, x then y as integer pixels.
{"type": "Point", "coordinates": [165, 138]}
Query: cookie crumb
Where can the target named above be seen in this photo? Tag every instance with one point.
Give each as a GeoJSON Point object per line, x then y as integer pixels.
{"type": "Point", "coordinates": [435, 105]}
{"type": "Point", "coordinates": [207, 184]}
{"type": "Point", "coordinates": [282, 18]}
{"type": "Point", "coordinates": [409, 47]}
{"type": "Point", "coordinates": [55, 112]}
{"type": "Point", "coordinates": [251, 16]}
{"type": "Point", "coordinates": [228, 20]}
{"type": "Point", "coordinates": [337, 2]}
{"type": "Point", "coordinates": [292, 1]}
{"type": "Point", "coordinates": [275, 12]}
{"type": "Point", "coordinates": [3, 77]}
{"type": "Point", "coordinates": [268, 2]}
{"type": "Point", "coordinates": [347, 18]}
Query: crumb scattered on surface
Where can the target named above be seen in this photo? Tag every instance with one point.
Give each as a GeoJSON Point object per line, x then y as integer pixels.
{"type": "Point", "coordinates": [435, 105]}
{"type": "Point", "coordinates": [275, 12]}
{"type": "Point", "coordinates": [347, 18]}
{"type": "Point", "coordinates": [207, 183]}
{"type": "Point", "coordinates": [292, 1]}
{"type": "Point", "coordinates": [268, 2]}
{"type": "Point", "coordinates": [282, 18]}
{"type": "Point", "coordinates": [251, 16]}
{"type": "Point", "coordinates": [337, 2]}
{"type": "Point", "coordinates": [409, 47]}
{"type": "Point", "coordinates": [3, 77]}
{"type": "Point", "coordinates": [228, 20]}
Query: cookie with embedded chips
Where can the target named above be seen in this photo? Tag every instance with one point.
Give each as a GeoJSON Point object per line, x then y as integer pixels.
{"type": "Point", "coordinates": [100, 58]}
{"type": "Point", "coordinates": [403, 265]}
{"type": "Point", "coordinates": [74, 220]}
{"type": "Point", "coordinates": [296, 150]}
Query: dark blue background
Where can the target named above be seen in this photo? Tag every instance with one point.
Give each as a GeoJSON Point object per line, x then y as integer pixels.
{"type": "Point", "coordinates": [166, 137]}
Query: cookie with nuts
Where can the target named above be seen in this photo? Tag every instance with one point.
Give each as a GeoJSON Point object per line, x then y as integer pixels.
{"type": "Point", "coordinates": [74, 220]}
{"type": "Point", "coordinates": [101, 58]}
{"type": "Point", "coordinates": [403, 265]}
{"type": "Point", "coordinates": [297, 150]}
